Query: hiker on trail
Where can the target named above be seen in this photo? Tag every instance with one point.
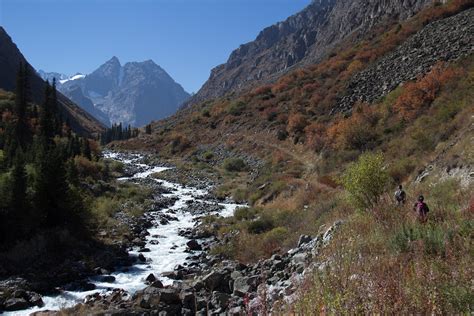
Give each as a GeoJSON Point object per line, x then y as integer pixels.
{"type": "Point", "coordinates": [421, 209]}
{"type": "Point", "coordinates": [400, 196]}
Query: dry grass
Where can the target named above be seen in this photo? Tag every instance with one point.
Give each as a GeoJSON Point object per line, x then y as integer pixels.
{"type": "Point", "coordinates": [391, 263]}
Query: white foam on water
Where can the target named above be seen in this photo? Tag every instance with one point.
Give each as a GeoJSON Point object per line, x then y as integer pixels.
{"type": "Point", "coordinates": [163, 257]}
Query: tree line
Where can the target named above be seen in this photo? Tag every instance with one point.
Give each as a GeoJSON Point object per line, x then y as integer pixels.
{"type": "Point", "coordinates": [118, 132]}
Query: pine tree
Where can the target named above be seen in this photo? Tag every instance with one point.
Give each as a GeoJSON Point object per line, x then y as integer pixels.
{"type": "Point", "coordinates": [86, 149]}
{"type": "Point", "coordinates": [18, 200]}
{"type": "Point", "coordinates": [19, 182]}
{"type": "Point", "coordinates": [148, 129]}
{"type": "Point", "coordinates": [21, 104]}
{"type": "Point", "coordinates": [72, 174]}
{"type": "Point", "coordinates": [17, 134]}
{"type": "Point", "coordinates": [51, 188]}
{"type": "Point", "coordinates": [46, 117]}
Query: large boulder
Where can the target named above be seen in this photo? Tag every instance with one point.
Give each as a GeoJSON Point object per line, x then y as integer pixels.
{"type": "Point", "coordinates": [188, 300]}
{"type": "Point", "coordinates": [220, 300]}
{"type": "Point", "coordinates": [170, 296]}
{"type": "Point", "coordinates": [241, 287]}
{"type": "Point", "coordinates": [15, 304]}
{"type": "Point", "coordinates": [216, 280]}
{"type": "Point", "coordinates": [35, 299]}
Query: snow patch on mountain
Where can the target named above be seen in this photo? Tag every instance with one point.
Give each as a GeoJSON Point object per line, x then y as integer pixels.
{"type": "Point", "coordinates": [75, 77]}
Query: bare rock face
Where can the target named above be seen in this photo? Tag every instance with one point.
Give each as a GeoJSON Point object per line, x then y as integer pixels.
{"type": "Point", "coordinates": [303, 38]}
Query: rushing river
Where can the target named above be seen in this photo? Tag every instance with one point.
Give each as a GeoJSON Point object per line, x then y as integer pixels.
{"type": "Point", "coordinates": [163, 256]}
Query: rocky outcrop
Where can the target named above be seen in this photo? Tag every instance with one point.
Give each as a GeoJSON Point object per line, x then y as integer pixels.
{"type": "Point", "coordinates": [15, 295]}
{"type": "Point", "coordinates": [444, 40]}
{"type": "Point", "coordinates": [303, 38]}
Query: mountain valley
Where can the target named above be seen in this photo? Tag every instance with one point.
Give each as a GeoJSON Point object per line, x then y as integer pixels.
{"type": "Point", "coordinates": [268, 192]}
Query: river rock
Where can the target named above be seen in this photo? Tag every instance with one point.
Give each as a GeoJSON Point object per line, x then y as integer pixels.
{"type": "Point", "coordinates": [16, 303]}
{"type": "Point", "coordinates": [107, 279]}
{"type": "Point", "coordinates": [241, 286]}
{"type": "Point", "coordinates": [214, 280]}
{"type": "Point", "coordinates": [220, 300]}
{"type": "Point", "coordinates": [188, 300]}
{"type": "Point", "coordinates": [157, 284]}
{"type": "Point", "coordinates": [150, 278]}
{"type": "Point", "coordinates": [170, 296]}
{"type": "Point", "coordinates": [148, 301]}
{"type": "Point", "coordinates": [141, 257]}
{"type": "Point", "coordinates": [35, 299]}
{"type": "Point", "coordinates": [194, 245]}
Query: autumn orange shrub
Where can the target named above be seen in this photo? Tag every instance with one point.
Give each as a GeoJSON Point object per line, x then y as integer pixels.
{"type": "Point", "coordinates": [87, 168]}
{"type": "Point", "coordinates": [316, 99]}
{"type": "Point", "coordinates": [179, 143]}
{"type": "Point", "coordinates": [280, 86]}
{"type": "Point", "coordinates": [296, 123]}
{"type": "Point", "coordinates": [357, 131]}
{"type": "Point", "coordinates": [315, 136]}
{"type": "Point", "coordinates": [261, 90]}
{"type": "Point", "coordinates": [310, 87]}
{"type": "Point", "coordinates": [417, 96]}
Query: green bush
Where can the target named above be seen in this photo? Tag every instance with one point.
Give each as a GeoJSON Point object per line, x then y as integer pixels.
{"type": "Point", "coordinates": [104, 207]}
{"type": "Point", "coordinates": [366, 180]}
{"type": "Point", "coordinates": [116, 166]}
{"type": "Point", "coordinates": [206, 113]}
{"type": "Point", "coordinates": [240, 194]}
{"type": "Point", "coordinates": [260, 225]}
{"type": "Point", "coordinates": [236, 108]}
{"type": "Point", "coordinates": [208, 155]}
{"type": "Point", "coordinates": [277, 235]}
{"type": "Point", "coordinates": [432, 237]}
{"type": "Point", "coordinates": [244, 213]}
{"type": "Point", "coordinates": [402, 168]}
{"type": "Point", "coordinates": [6, 104]}
{"type": "Point", "coordinates": [234, 164]}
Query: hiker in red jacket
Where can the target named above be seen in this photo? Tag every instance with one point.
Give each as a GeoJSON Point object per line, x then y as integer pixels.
{"type": "Point", "coordinates": [421, 209]}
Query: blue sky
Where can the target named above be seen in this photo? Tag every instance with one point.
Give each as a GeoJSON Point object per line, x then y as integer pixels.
{"type": "Point", "coordinates": [185, 37]}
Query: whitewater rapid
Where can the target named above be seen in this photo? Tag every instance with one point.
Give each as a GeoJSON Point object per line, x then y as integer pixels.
{"type": "Point", "coordinates": [164, 256]}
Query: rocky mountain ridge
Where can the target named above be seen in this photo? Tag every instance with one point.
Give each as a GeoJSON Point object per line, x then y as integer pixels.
{"type": "Point", "coordinates": [134, 93]}
{"type": "Point", "coordinates": [302, 39]}
{"type": "Point", "coordinates": [10, 59]}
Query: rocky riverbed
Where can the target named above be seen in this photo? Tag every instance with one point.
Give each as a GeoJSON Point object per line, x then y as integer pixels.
{"type": "Point", "coordinates": [168, 268]}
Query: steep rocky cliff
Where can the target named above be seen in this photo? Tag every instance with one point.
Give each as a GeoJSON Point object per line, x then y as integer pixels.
{"type": "Point", "coordinates": [303, 38]}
